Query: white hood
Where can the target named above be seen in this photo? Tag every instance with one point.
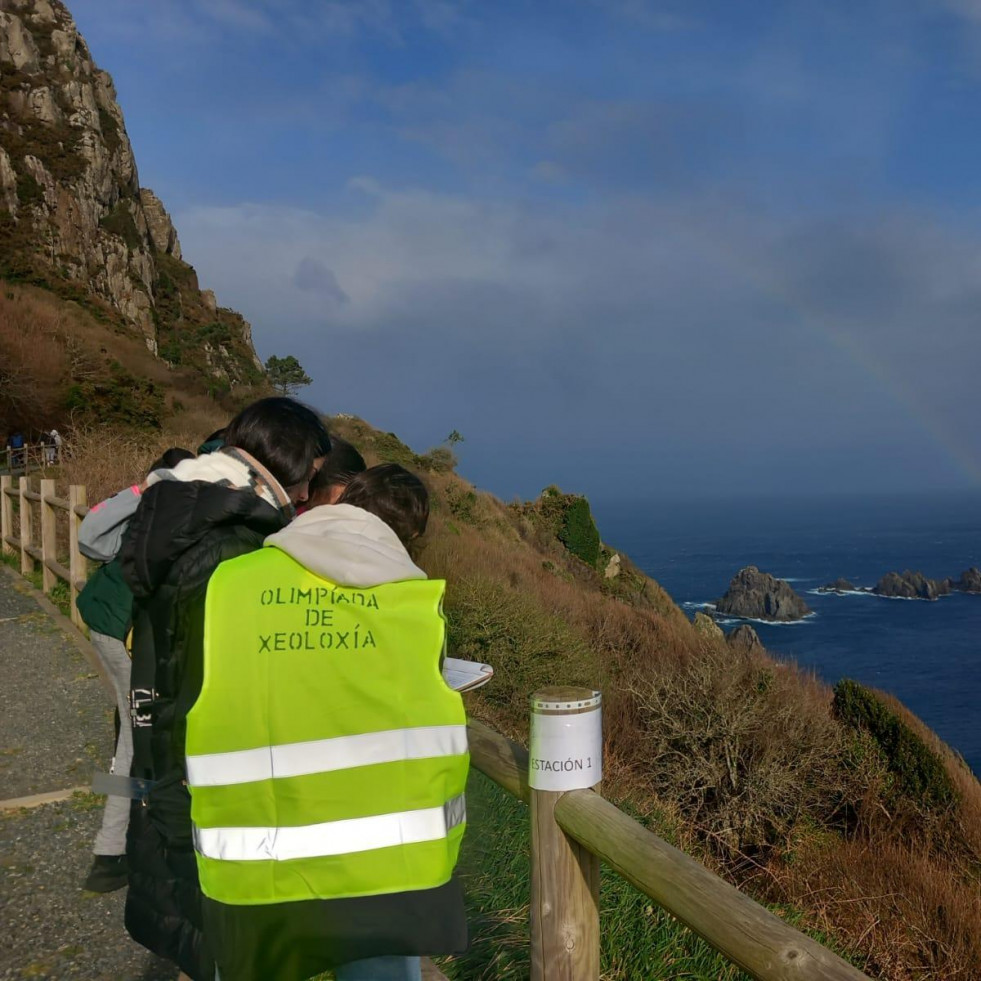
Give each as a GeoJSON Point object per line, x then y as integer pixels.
{"type": "Point", "coordinates": [347, 545]}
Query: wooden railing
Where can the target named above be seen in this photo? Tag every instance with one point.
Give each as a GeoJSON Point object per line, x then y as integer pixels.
{"type": "Point", "coordinates": [29, 526]}
{"type": "Point", "coordinates": [571, 831]}
{"type": "Point", "coordinates": [28, 458]}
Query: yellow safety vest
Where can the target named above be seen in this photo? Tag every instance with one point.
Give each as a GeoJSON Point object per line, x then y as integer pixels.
{"type": "Point", "coordinates": [326, 756]}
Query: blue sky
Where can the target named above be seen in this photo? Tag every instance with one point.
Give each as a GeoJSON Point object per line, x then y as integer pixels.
{"type": "Point", "coordinates": [630, 247]}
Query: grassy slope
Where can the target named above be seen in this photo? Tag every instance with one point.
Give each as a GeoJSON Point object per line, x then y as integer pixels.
{"type": "Point", "coordinates": [73, 361]}
{"type": "Point", "coordinates": [733, 756]}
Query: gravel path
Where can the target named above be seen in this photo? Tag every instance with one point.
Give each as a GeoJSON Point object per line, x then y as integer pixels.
{"type": "Point", "coordinates": [55, 729]}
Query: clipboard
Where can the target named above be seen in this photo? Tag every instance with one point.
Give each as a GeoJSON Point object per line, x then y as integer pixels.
{"type": "Point", "coordinates": [463, 675]}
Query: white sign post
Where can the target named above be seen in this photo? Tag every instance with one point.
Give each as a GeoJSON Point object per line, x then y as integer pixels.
{"type": "Point", "coordinates": [566, 739]}
{"type": "Point", "coordinates": [566, 755]}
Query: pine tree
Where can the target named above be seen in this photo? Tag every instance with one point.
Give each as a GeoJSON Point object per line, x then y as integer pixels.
{"type": "Point", "coordinates": [286, 375]}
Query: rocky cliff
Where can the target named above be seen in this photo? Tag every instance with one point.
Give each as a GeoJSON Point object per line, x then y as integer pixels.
{"type": "Point", "coordinates": [73, 217]}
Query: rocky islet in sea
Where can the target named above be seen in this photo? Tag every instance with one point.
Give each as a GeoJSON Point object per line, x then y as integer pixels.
{"type": "Point", "coordinates": [757, 595]}
{"type": "Point", "coordinates": [911, 585]}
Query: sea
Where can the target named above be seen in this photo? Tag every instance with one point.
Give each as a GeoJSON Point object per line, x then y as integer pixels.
{"type": "Point", "coordinates": [927, 654]}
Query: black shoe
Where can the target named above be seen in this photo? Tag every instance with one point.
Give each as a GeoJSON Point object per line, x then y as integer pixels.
{"type": "Point", "coordinates": [108, 873]}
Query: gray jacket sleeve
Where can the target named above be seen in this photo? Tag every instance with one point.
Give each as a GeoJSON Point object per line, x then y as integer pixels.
{"type": "Point", "coordinates": [101, 531]}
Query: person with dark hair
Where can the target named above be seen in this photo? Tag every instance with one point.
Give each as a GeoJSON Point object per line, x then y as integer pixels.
{"type": "Point", "coordinates": [106, 605]}
{"type": "Point", "coordinates": [393, 494]}
{"type": "Point", "coordinates": [285, 435]}
{"type": "Point", "coordinates": [215, 507]}
{"type": "Point", "coordinates": [326, 756]}
{"type": "Point", "coordinates": [342, 463]}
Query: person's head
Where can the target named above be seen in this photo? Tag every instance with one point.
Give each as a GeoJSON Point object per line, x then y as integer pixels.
{"type": "Point", "coordinates": [393, 494]}
{"type": "Point", "coordinates": [287, 438]}
{"type": "Point", "coordinates": [170, 458]}
{"type": "Point", "coordinates": [342, 463]}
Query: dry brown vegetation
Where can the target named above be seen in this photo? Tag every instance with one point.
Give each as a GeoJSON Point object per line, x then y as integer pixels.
{"type": "Point", "coordinates": [104, 460]}
{"type": "Point", "coordinates": [735, 756]}
{"type": "Point", "coordinates": [67, 365]}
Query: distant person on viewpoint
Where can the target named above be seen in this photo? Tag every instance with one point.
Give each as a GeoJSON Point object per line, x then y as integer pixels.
{"type": "Point", "coordinates": [326, 756]}
{"type": "Point", "coordinates": [15, 449]}
{"type": "Point", "coordinates": [215, 507]}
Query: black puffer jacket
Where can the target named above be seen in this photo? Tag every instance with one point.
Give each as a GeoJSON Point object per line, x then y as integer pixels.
{"type": "Point", "coordinates": [177, 538]}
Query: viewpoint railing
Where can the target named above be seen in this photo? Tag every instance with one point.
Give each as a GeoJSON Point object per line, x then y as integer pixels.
{"type": "Point", "coordinates": [27, 458]}
{"type": "Point", "coordinates": [29, 526]}
{"type": "Point", "coordinates": [571, 830]}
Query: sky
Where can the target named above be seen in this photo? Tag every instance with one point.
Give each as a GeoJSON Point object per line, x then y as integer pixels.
{"type": "Point", "coordinates": [630, 247]}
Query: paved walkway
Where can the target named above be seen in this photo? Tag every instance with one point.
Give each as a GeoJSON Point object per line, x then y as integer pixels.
{"type": "Point", "coordinates": [55, 729]}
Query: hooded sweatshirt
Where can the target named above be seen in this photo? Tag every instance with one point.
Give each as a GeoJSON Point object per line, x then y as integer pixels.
{"type": "Point", "coordinates": [346, 545]}
{"type": "Point", "coordinates": [291, 941]}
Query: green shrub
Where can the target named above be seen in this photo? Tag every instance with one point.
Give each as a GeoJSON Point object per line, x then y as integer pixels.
{"type": "Point", "coordinates": [462, 504]}
{"type": "Point", "coordinates": [120, 399]}
{"type": "Point", "coordinates": [527, 645]}
{"type": "Point", "coordinates": [28, 190]}
{"type": "Point", "coordinates": [440, 459]}
{"type": "Point", "coordinates": [579, 533]}
{"type": "Point", "coordinates": [917, 770]}
{"type": "Point", "coordinates": [120, 222]}
{"type": "Point", "coordinates": [110, 130]}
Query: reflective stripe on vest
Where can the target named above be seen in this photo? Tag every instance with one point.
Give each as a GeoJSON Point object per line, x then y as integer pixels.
{"type": "Point", "coordinates": [326, 756]}
{"type": "Point", "coordinates": [331, 837]}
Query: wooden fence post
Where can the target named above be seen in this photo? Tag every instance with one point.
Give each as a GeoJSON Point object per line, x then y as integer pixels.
{"type": "Point", "coordinates": [49, 536]}
{"type": "Point", "coordinates": [77, 565]}
{"type": "Point", "coordinates": [26, 559]}
{"type": "Point", "coordinates": [566, 754]}
{"type": "Point", "coordinates": [6, 513]}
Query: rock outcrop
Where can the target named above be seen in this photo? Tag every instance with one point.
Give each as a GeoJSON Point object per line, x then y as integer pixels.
{"type": "Point", "coordinates": [759, 596]}
{"type": "Point", "coordinates": [838, 586]}
{"type": "Point", "coordinates": [910, 585]}
{"type": "Point", "coordinates": [706, 626]}
{"type": "Point", "coordinates": [72, 212]}
{"type": "Point", "coordinates": [744, 637]}
{"type": "Point", "coordinates": [969, 581]}
{"type": "Point", "coordinates": [163, 235]}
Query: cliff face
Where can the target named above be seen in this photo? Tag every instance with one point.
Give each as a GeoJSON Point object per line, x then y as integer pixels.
{"type": "Point", "coordinates": [71, 207]}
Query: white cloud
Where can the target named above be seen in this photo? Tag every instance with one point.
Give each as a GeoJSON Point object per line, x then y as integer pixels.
{"type": "Point", "coordinates": [693, 308]}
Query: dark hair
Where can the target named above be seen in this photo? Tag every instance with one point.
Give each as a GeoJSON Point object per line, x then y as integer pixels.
{"type": "Point", "coordinates": [170, 458]}
{"type": "Point", "coordinates": [342, 463]}
{"type": "Point", "coordinates": [396, 496]}
{"type": "Point", "coordinates": [284, 435]}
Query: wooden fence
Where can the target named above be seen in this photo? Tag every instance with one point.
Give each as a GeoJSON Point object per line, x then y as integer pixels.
{"type": "Point", "coordinates": [572, 831]}
{"type": "Point", "coordinates": [29, 526]}
{"type": "Point", "coordinates": [28, 458]}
